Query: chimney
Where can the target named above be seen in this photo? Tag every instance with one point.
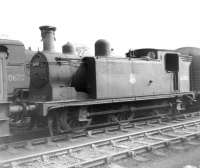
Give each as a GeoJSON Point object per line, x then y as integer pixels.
{"type": "Point", "coordinates": [48, 38]}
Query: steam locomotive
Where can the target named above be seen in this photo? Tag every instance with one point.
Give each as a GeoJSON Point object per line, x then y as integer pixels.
{"type": "Point", "coordinates": [73, 92]}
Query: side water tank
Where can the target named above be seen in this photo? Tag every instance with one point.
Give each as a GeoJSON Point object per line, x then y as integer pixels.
{"type": "Point", "coordinates": [102, 48]}
{"type": "Point", "coordinates": [68, 48]}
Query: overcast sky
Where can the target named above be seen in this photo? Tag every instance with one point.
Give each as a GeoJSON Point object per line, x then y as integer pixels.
{"type": "Point", "coordinates": [125, 24]}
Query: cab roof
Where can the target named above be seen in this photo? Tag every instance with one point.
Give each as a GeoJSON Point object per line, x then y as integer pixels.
{"type": "Point", "coordinates": [11, 42]}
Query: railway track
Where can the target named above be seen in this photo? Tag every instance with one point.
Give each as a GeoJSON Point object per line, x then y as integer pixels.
{"type": "Point", "coordinates": [103, 147]}
{"type": "Point", "coordinates": [41, 135]}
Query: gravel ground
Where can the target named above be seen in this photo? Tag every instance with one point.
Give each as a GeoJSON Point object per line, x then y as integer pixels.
{"type": "Point", "coordinates": [187, 157]}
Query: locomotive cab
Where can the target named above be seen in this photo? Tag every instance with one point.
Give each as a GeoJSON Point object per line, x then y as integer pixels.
{"type": "Point", "coordinates": [172, 66]}
{"type": "Point", "coordinates": [178, 65]}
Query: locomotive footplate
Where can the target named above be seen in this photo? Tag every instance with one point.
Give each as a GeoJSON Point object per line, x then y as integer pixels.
{"type": "Point", "coordinates": [44, 107]}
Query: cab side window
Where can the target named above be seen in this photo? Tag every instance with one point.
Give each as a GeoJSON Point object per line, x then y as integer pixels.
{"type": "Point", "coordinates": [171, 62]}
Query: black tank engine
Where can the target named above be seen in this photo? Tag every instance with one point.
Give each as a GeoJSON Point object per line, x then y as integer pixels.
{"type": "Point", "coordinates": [74, 91]}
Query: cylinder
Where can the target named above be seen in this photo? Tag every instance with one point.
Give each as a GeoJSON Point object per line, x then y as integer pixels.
{"type": "Point", "coordinates": [102, 48]}
{"type": "Point", "coordinates": [68, 48]}
{"type": "Point", "coordinates": [48, 38]}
